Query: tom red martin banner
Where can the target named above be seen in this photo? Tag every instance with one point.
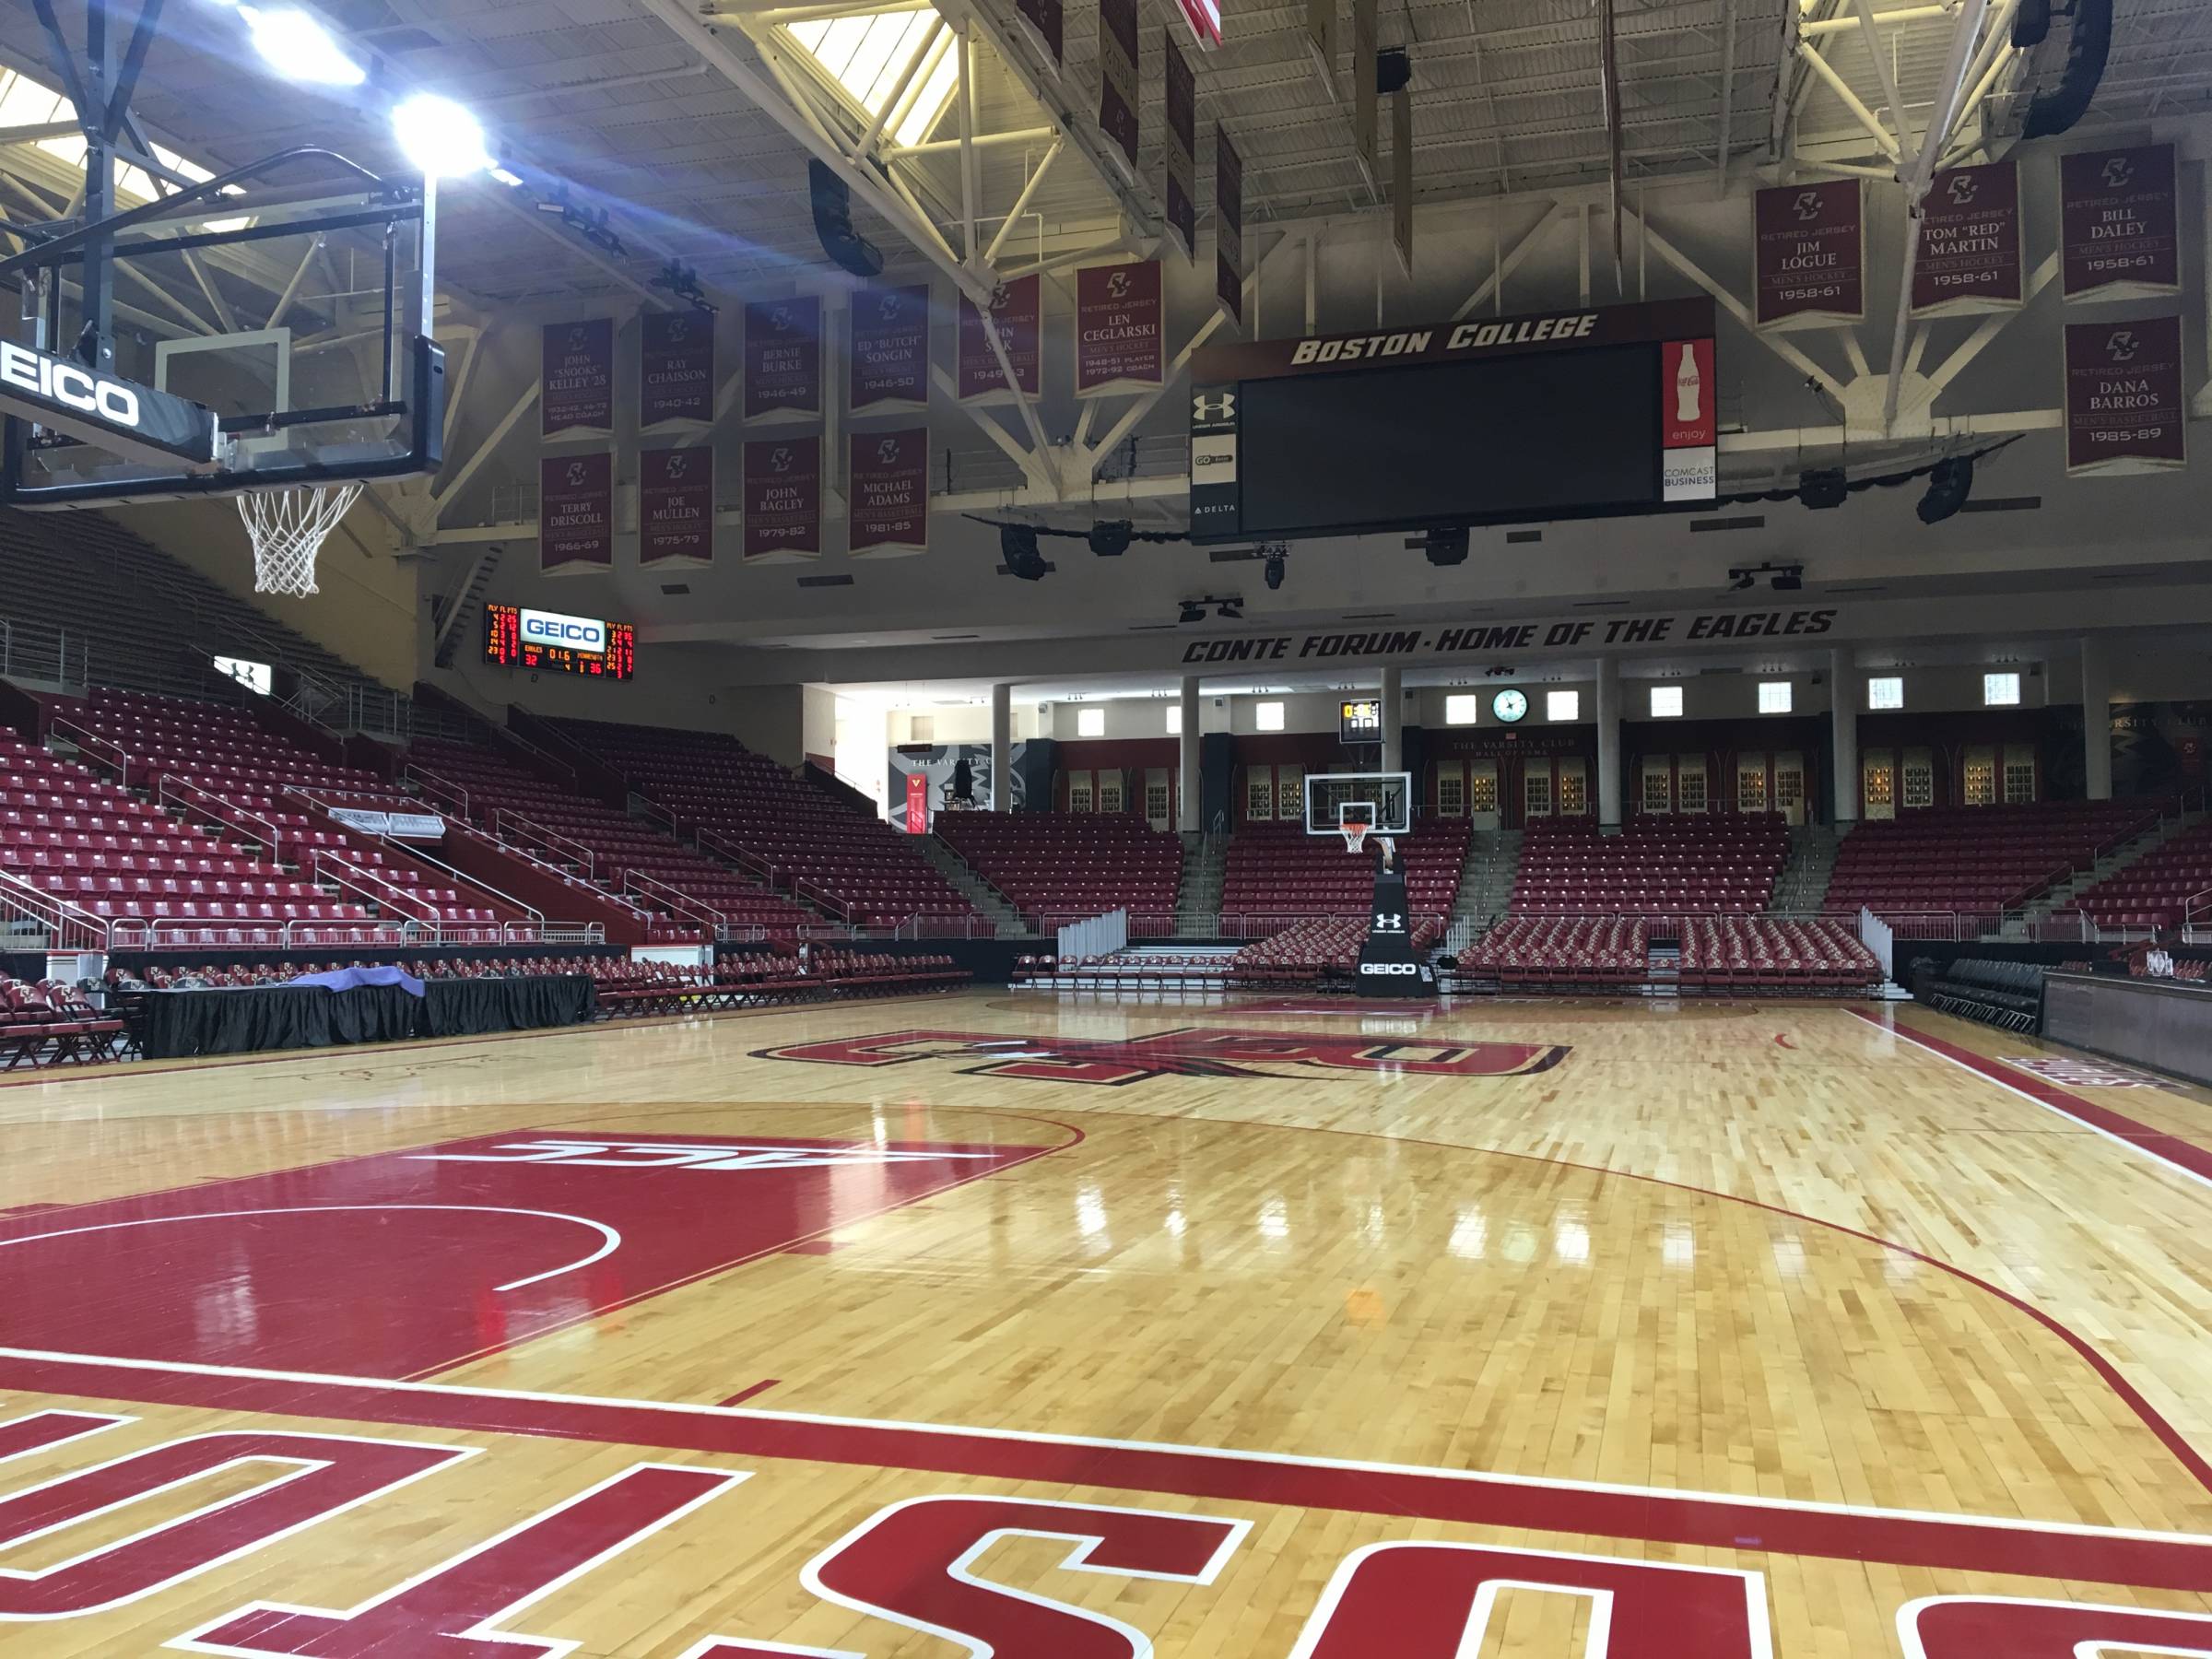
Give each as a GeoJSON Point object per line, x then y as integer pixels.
{"type": "Point", "coordinates": [1181, 148]}
{"type": "Point", "coordinates": [889, 366]}
{"type": "Point", "coordinates": [1015, 313]}
{"type": "Point", "coordinates": [1970, 242]}
{"type": "Point", "coordinates": [676, 506]}
{"type": "Point", "coordinates": [888, 493]}
{"type": "Point", "coordinates": [575, 513]}
{"type": "Point", "coordinates": [784, 358]}
{"type": "Point", "coordinates": [1228, 224]}
{"type": "Point", "coordinates": [576, 377]}
{"type": "Point", "coordinates": [2125, 407]}
{"type": "Point", "coordinates": [1811, 258]}
{"type": "Point", "coordinates": [783, 511]}
{"type": "Point", "coordinates": [2118, 231]}
{"type": "Point", "coordinates": [675, 368]}
{"type": "Point", "coordinates": [1120, 336]}
{"type": "Point", "coordinates": [1118, 95]}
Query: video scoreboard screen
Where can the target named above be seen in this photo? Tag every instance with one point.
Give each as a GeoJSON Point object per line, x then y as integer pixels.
{"type": "Point", "coordinates": [515, 638]}
{"type": "Point", "coordinates": [1567, 414]}
{"type": "Point", "coordinates": [1359, 720]}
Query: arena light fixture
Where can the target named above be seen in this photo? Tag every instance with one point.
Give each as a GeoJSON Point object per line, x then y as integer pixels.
{"type": "Point", "coordinates": [1110, 538]}
{"type": "Point", "coordinates": [299, 48]}
{"type": "Point", "coordinates": [1273, 570]}
{"type": "Point", "coordinates": [1192, 611]}
{"type": "Point", "coordinates": [1017, 552]}
{"type": "Point", "coordinates": [440, 138]}
{"type": "Point", "coordinates": [1950, 484]}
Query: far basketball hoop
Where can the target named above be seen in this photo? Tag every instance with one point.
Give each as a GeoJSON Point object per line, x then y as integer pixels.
{"type": "Point", "coordinates": [1355, 820]}
{"type": "Point", "coordinates": [1358, 804]}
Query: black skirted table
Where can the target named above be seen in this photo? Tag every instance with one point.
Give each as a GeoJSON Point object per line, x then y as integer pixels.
{"type": "Point", "coordinates": [181, 1024]}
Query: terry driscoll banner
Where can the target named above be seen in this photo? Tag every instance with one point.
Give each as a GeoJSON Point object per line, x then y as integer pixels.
{"type": "Point", "coordinates": [888, 493]}
{"type": "Point", "coordinates": [575, 513]}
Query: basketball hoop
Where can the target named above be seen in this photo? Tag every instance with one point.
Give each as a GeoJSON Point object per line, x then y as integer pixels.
{"type": "Point", "coordinates": [1355, 833]}
{"type": "Point", "coordinates": [288, 527]}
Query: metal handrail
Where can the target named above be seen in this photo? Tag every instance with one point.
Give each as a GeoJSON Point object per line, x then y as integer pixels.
{"type": "Point", "coordinates": [412, 851]}
{"type": "Point", "coordinates": [678, 902]}
{"type": "Point", "coordinates": [530, 856]}
{"type": "Point", "coordinates": [366, 884]}
{"type": "Point", "coordinates": [550, 840]}
{"type": "Point", "coordinates": [652, 812]}
{"type": "Point", "coordinates": [16, 656]}
{"type": "Point", "coordinates": [56, 914]}
{"type": "Point", "coordinates": [83, 737]}
{"type": "Point", "coordinates": [423, 774]}
{"type": "Point", "coordinates": [269, 837]}
{"type": "Point", "coordinates": [709, 840]}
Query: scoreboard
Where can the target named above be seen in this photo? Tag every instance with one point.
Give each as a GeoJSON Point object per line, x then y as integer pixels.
{"type": "Point", "coordinates": [1359, 720]}
{"type": "Point", "coordinates": [516, 638]}
{"type": "Point", "coordinates": [1564, 415]}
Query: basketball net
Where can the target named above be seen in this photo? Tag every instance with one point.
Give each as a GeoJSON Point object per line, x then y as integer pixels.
{"type": "Point", "coordinates": [288, 527]}
{"type": "Point", "coordinates": [1355, 834]}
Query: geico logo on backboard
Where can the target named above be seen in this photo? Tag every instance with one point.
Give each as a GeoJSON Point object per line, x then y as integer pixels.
{"type": "Point", "coordinates": [576, 634]}
{"type": "Point", "coordinates": [70, 384]}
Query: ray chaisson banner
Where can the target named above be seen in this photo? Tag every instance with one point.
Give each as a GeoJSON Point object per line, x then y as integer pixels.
{"type": "Point", "coordinates": [676, 369]}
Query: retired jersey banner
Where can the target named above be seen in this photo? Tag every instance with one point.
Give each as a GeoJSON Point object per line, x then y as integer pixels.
{"type": "Point", "coordinates": [576, 384]}
{"type": "Point", "coordinates": [2118, 233]}
{"type": "Point", "coordinates": [1228, 224]}
{"type": "Point", "coordinates": [889, 366]}
{"type": "Point", "coordinates": [888, 493]}
{"type": "Point", "coordinates": [675, 368]}
{"type": "Point", "coordinates": [1120, 328]}
{"type": "Point", "coordinates": [1181, 148]}
{"type": "Point", "coordinates": [1015, 314]}
{"type": "Point", "coordinates": [1401, 176]}
{"type": "Point", "coordinates": [676, 506]}
{"type": "Point", "coordinates": [1811, 256]}
{"type": "Point", "coordinates": [1970, 242]}
{"type": "Point", "coordinates": [2125, 405]}
{"type": "Point", "coordinates": [782, 510]}
{"type": "Point", "coordinates": [576, 514]}
{"type": "Point", "coordinates": [1118, 95]}
{"type": "Point", "coordinates": [784, 358]}
{"type": "Point", "coordinates": [1043, 19]}
{"type": "Point", "coordinates": [1367, 147]}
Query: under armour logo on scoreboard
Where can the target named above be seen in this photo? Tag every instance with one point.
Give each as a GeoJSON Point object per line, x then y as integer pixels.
{"type": "Point", "coordinates": [666, 1155]}
{"type": "Point", "coordinates": [1213, 406]}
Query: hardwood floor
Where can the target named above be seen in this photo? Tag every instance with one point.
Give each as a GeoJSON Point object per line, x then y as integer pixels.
{"type": "Point", "coordinates": [1747, 1327]}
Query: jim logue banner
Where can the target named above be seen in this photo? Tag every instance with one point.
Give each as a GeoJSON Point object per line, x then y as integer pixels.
{"type": "Point", "coordinates": [1811, 257]}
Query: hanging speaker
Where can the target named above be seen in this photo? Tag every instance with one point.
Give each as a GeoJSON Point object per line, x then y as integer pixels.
{"type": "Point", "coordinates": [833, 201]}
{"type": "Point", "coordinates": [2061, 89]}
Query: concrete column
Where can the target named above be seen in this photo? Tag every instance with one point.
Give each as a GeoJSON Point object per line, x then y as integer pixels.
{"type": "Point", "coordinates": [1393, 720]}
{"type": "Point", "coordinates": [1844, 684]}
{"type": "Point", "coordinates": [1001, 748]}
{"type": "Point", "coordinates": [1186, 786]}
{"type": "Point", "coordinates": [1609, 745]}
{"type": "Point", "coordinates": [2096, 719]}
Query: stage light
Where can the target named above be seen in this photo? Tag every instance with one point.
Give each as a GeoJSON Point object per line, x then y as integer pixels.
{"type": "Point", "coordinates": [298, 48]}
{"type": "Point", "coordinates": [509, 177]}
{"type": "Point", "coordinates": [1790, 578]}
{"type": "Point", "coordinates": [1948, 486]}
{"type": "Point", "coordinates": [1192, 611]}
{"type": "Point", "coordinates": [1447, 547]}
{"type": "Point", "coordinates": [1274, 569]}
{"type": "Point", "coordinates": [1230, 610]}
{"type": "Point", "coordinates": [1110, 538]}
{"type": "Point", "coordinates": [1823, 488]}
{"type": "Point", "coordinates": [831, 199]}
{"type": "Point", "coordinates": [1741, 581]}
{"type": "Point", "coordinates": [440, 138]}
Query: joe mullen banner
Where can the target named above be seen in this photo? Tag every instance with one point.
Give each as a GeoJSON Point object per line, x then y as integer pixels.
{"type": "Point", "coordinates": [2117, 225]}
{"type": "Point", "coordinates": [676, 506]}
{"type": "Point", "coordinates": [1811, 254]}
{"type": "Point", "coordinates": [576, 384]}
{"type": "Point", "coordinates": [2125, 408]}
{"type": "Point", "coordinates": [782, 498]}
{"type": "Point", "coordinates": [1118, 95]}
{"type": "Point", "coordinates": [889, 365]}
{"type": "Point", "coordinates": [888, 493]}
{"type": "Point", "coordinates": [675, 368]}
{"type": "Point", "coordinates": [1014, 312]}
{"type": "Point", "coordinates": [1228, 224]}
{"type": "Point", "coordinates": [1119, 340]}
{"type": "Point", "coordinates": [784, 358]}
{"type": "Point", "coordinates": [575, 513]}
{"type": "Point", "coordinates": [1181, 148]}
{"type": "Point", "coordinates": [1970, 242]}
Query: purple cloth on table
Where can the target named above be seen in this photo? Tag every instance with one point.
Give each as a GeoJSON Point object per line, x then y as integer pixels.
{"type": "Point", "coordinates": [353, 979]}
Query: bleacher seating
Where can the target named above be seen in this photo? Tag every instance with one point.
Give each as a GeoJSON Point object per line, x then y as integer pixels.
{"type": "Point", "coordinates": [45, 1023]}
{"type": "Point", "coordinates": [1723, 864]}
{"type": "Point", "coordinates": [1560, 951]}
{"type": "Point", "coordinates": [1753, 954]}
{"type": "Point", "coordinates": [1975, 859]}
{"type": "Point", "coordinates": [2005, 993]}
{"type": "Point", "coordinates": [1070, 865]}
{"type": "Point", "coordinates": [1279, 870]}
{"type": "Point", "coordinates": [1318, 948]}
{"type": "Point", "coordinates": [2156, 891]}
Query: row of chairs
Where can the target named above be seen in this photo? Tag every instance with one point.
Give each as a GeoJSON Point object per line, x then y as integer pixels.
{"type": "Point", "coordinates": [44, 1022]}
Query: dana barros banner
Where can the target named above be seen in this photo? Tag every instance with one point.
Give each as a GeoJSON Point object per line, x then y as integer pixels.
{"type": "Point", "coordinates": [890, 368]}
{"type": "Point", "coordinates": [676, 506]}
{"type": "Point", "coordinates": [675, 368]}
{"type": "Point", "coordinates": [1181, 148]}
{"type": "Point", "coordinates": [1970, 242]}
{"type": "Point", "coordinates": [576, 377]}
{"type": "Point", "coordinates": [575, 513]}
{"type": "Point", "coordinates": [1120, 332]}
{"type": "Point", "coordinates": [784, 358]}
{"type": "Point", "coordinates": [888, 493]}
{"type": "Point", "coordinates": [2118, 227]}
{"type": "Point", "coordinates": [783, 500]}
{"type": "Point", "coordinates": [1228, 224]}
{"type": "Point", "coordinates": [1015, 313]}
{"type": "Point", "coordinates": [1811, 256]}
{"type": "Point", "coordinates": [1118, 96]}
{"type": "Point", "coordinates": [2125, 408]}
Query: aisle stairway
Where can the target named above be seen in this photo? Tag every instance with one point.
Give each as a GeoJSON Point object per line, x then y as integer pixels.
{"type": "Point", "coordinates": [1198, 901]}
{"type": "Point", "coordinates": [1803, 879]}
{"type": "Point", "coordinates": [1486, 882]}
{"type": "Point", "coordinates": [1007, 923]}
{"type": "Point", "coordinates": [2061, 895]}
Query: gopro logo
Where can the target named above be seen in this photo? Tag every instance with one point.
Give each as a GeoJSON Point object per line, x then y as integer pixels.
{"type": "Point", "coordinates": [574, 634]}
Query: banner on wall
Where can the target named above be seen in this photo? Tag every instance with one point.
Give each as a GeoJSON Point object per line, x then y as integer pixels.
{"type": "Point", "coordinates": [1228, 224]}
{"type": "Point", "coordinates": [1181, 148]}
{"type": "Point", "coordinates": [1044, 21]}
{"type": "Point", "coordinates": [888, 492]}
{"type": "Point", "coordinates": [889, 366]}
{"type": "Point", "coordinates": [575, 513]}
{"type": "Point", "coordinates": [782, 501]}
{"type": "Point", "coordinates": [1811, 258]}
{"type": "Point", "coordinates": [784, 358]}
{"type": "Point", "coordinates": [917, 804]}
{"type": "Point", "coordinates": [1120, 328]}
{"type": "Point", "coordinates": [676, 506]}
{"type": "Point", "coordinates": [1015, 313]}
{"type": "Point", "coordinates": [2119, 230]}
{"type": "Point", "coordinates": [1970, 242]}
{"type": "Point", "coordinates": [1118, 95]}
{"type": "Point", "coordinates": [675, 368]}
{"type": "Point", "coordinates": [2126, 410]}
{"type": "Point", "coordinates": [576, 377]}
{"type": "Point", "coordinates": [1401, 176]}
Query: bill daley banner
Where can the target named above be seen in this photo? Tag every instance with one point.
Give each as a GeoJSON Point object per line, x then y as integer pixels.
{"type": "Point", "coordinates": [1228, 224]}
{"type": "Point", "coordinates": [888, 493]}
{"type": "Point", "coordinates": [1118, 95]}
{"type": "Point", "coordinates": [1014, 312]}
{"type": "Point", "coordinates": [2125, 408]}
{"type": "Point", "coordinates": [2117, 225]}
{"type": "Point", "coordinates": [1120, 335]}
{"type": "Point", "coordinates": [890, 348]}
{"type": "Point", "coordinates": [784, 358]}
{"type": "Point", "coordinates": [1970, 242]}
{"type": "Point", "coordinates": [576, 385]}
{"type": "Point", "coordinates": [575, 513]}
{"type": "Point", "coordinates": [676, 506]}
{"type": "Point", "coordinates": [675, 368]}
{"type": "Point", "coordinates": [1181, 148]}
{"type": "Point", "coordinates": [1811, 255]}
{"type": "Point", "coordinates": [783, 500]}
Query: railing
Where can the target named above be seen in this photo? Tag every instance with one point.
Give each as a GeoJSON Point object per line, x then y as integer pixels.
{"type": "Point", "coordinates": [934, 927]}
{"type": "Point", "coordinates": [740, 933]}
{"type": "Point", "coordinates": [1145, 924]}
{"type": "Point", "coordinates": [729, 852]}
{"type": "Point", "coordinates": [1093, 936]}
{"type": "Point", "coordinates": [376, 710]}
{"type": "Point", "coordinates": [455, 793]}
{"type": "Point", "coordinates": [367, 885]}
{"type": "Point", "coordinates": [822, 899]}
{"type": "Point", "coordinates": [36, 651]}
{"type": "Point", "coordinates": [652, 812]}
{"type": "Point", "coordinates": [253, 827]}
{"type": "Point", "coordinates": [547, 840]}
{"type": "Point", "coordinates": [66, 926]}
{"type": "Point", "coordinates": [669, 898]}
{"type": "Point", "coordinates": [286, 934]}
{"type": "Point", "coordinates": [463, 878]}
{"type": "Point", "coordinates": [92, 743]}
